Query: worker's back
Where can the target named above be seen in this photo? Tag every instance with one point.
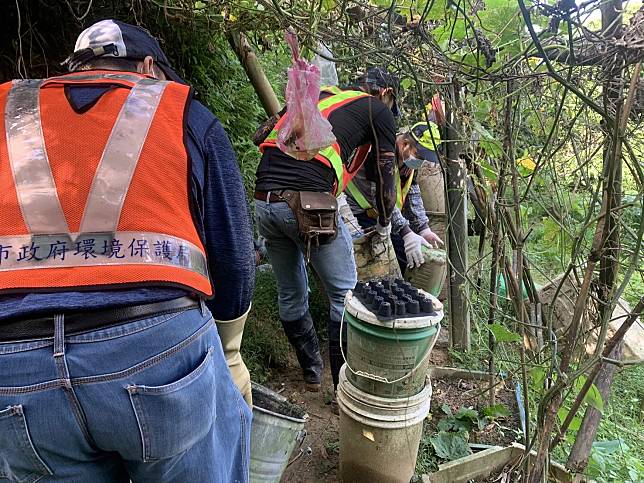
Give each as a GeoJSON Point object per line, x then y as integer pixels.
{"type": "Point", "coordinates": [365, 121]}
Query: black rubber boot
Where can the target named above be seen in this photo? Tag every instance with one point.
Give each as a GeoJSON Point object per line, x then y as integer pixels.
{"type": "Point", "coordinates": [336, 360]}
{"type": "Point", "coordinates": [301, 334]}
{"type": "Point", "coordinates": [335, 354]}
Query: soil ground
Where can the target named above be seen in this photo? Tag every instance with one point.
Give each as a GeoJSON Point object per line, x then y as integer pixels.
{"type": "Point", "coordinates": [319, 457]}
{"type": "Point", "coordinates": [321, 462]}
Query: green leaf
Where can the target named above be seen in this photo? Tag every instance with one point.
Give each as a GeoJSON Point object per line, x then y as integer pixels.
{"type": "Point", "coordinates": [501, 334]}
{"type": "Point", "coordinates": [488, 170]}
{"type": "Point", "coordinates": [467, 413]}
{"type": "Point", "coordinates": [446, 409]}
{"type": "Point", "coordinates": [453, 424]}
{"type": "Point", "coordinates": [450, 446]}
{"type": "Point", "coordinates": [446, 424]}
{"type": "Point", "coordinates": [487, 141]}
{"type": "Point", "coordinates": [537, 378]}
{"type": "Point", "coordinates": [609, 447]}
{"type": "Point", "coordinates": [482, 109]}
{"type": "Point", "coordinates": [575, 424]}
{"type": "Point", "coordinates": [437, 11]}
{"type": "Point", "coordinates": [594, 398]}
{"type": "Point", "coordinates": [328, 5]}
{"type": "Point", "coordinates": [382, 3]}
{"type": "Point", "coordinates": [496, 411]}
{"type": "Point", "coordinates": [551, 230]}
{"type": "Point", "coordinates": [406, 83]}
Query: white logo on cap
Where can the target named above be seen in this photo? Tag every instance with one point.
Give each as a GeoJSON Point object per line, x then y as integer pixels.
{"type": "Point", "coordinates": [102, 33]}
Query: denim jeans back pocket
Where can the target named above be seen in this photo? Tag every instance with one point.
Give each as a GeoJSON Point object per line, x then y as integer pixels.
{"type": "Point", "coordinates": [174, 417]}
{"type": "Point", "coordinates": [19, 461]}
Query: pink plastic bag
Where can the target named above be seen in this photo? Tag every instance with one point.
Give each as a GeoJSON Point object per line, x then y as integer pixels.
{"type": "Point", "coordinates": [305, 131]}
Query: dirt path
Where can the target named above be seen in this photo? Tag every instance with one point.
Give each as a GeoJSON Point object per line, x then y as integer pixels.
{"type": "Point", "coordinates": [320, 465]}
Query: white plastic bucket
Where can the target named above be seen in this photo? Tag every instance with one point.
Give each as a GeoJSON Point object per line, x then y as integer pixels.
{"type": "Point", "coordinates": [379, 437]}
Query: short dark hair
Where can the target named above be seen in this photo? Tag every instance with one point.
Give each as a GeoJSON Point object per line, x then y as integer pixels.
{"type": "Point", "coordinates": [371, 89]}
{"type": "Point", "coordinates": [111, 63]}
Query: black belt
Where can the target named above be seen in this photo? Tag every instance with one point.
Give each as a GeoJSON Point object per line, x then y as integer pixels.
{"type": "Point", "coordinates": [77, 322]}
{"type": "Point", "coordinates": [270, 197]}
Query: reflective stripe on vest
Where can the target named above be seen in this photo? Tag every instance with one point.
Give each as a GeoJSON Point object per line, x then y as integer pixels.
{"type": "Point", "coordinates": [28, 159]}
{"type": "Point", "coordinates": [329, 156]}
{"type": "Point", "coordinates": [402, 190]}
{"type": "Point", "coordinates": [331, 89]}
{"type": "Point", "coordinates": [357, 195]}
{"type": "Point", "coordinates": [401, 193]}
{"type": "Point", "coordinates": [99, 241]}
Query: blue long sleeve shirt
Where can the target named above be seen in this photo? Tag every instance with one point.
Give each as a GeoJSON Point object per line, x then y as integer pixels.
{"type": "Point", "coordinates": [221, 217]}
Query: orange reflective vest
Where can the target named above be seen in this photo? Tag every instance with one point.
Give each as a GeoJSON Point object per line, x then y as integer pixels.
{"type": "Point", "coordinates": [98, 198]}
{"type": "Point", "coordinates": [330, 156]}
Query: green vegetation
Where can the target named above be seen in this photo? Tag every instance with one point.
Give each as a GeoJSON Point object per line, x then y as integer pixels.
{"type": "Point", "coordinates": [544, 130]}
{"type": "Point", "coordinates": [265, 347]}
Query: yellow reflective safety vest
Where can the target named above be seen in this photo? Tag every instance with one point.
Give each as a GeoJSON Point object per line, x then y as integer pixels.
{"type": "Point", "coordinates": [330, 156]}
{"type": "Point", "coordinates": [402, 189]}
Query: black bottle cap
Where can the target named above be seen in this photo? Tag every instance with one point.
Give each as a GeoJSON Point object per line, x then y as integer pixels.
{"type": "Point", "coordinates": [426, 305]}
{"type": "Point", "coordinates": [359, 288]}
{"type": "Point", "coordinates": [385, 309]}
{"type": "Point", "coordinates": [386, 283]}
{"type": "Point", "coordinates": [412, 307]}
{"type": "Point", "coordinates": [369, 296]}
{"type": "Point", "coordinates": [400, 308]}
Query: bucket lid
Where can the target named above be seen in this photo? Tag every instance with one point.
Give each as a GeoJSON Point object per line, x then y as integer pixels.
{"type": "Point", "coordinates": [357, 309]}
{"type": "Point", "coordinates": [379, 411]}
{"type": "Point", "coordinates": [270, 402]}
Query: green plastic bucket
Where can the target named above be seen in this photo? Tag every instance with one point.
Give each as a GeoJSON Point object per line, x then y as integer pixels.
{"type": "Point", "coordinates": [388, 359]}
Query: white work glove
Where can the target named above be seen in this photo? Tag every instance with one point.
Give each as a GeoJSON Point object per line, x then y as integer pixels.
{"type": "Point", "coordinates": [230, 333]}
{"type": "Point", "coordinates": [413, 251]}
{"type": "Point", "coordinates": [431, 237]}
{"type": "Point", "coordinates": [383, 231]}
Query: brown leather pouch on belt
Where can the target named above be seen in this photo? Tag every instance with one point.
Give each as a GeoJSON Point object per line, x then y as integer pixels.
{"type": "Point", "coordinates": [316, 215]}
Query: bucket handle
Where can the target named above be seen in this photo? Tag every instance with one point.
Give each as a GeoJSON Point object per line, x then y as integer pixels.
{"type": "Point", "coordinates": [299, 439]}
{"type": "Point", "coordinates": [375, 377]}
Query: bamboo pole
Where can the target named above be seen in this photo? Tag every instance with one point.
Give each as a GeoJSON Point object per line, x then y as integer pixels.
{"type": "Point", "coordinates": [254, 71]}
{"type": "Point", "coordinates": [457, 232]}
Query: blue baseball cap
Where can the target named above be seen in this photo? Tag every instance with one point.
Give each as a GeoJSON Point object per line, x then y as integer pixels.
{"type": "Point", "coordinates": [113, 38]}
{"type": "Point", "coordinates": [380, 77]}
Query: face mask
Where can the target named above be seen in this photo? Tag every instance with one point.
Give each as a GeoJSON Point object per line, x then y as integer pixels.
{"type": "Point", "coordinates": [413, 162]}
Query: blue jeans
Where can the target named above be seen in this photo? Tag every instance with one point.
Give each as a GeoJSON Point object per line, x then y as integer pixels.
{"type": "Point", "coordinates": [333, 262]}
{"type": "Point", "coordinates": [147, 401]}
